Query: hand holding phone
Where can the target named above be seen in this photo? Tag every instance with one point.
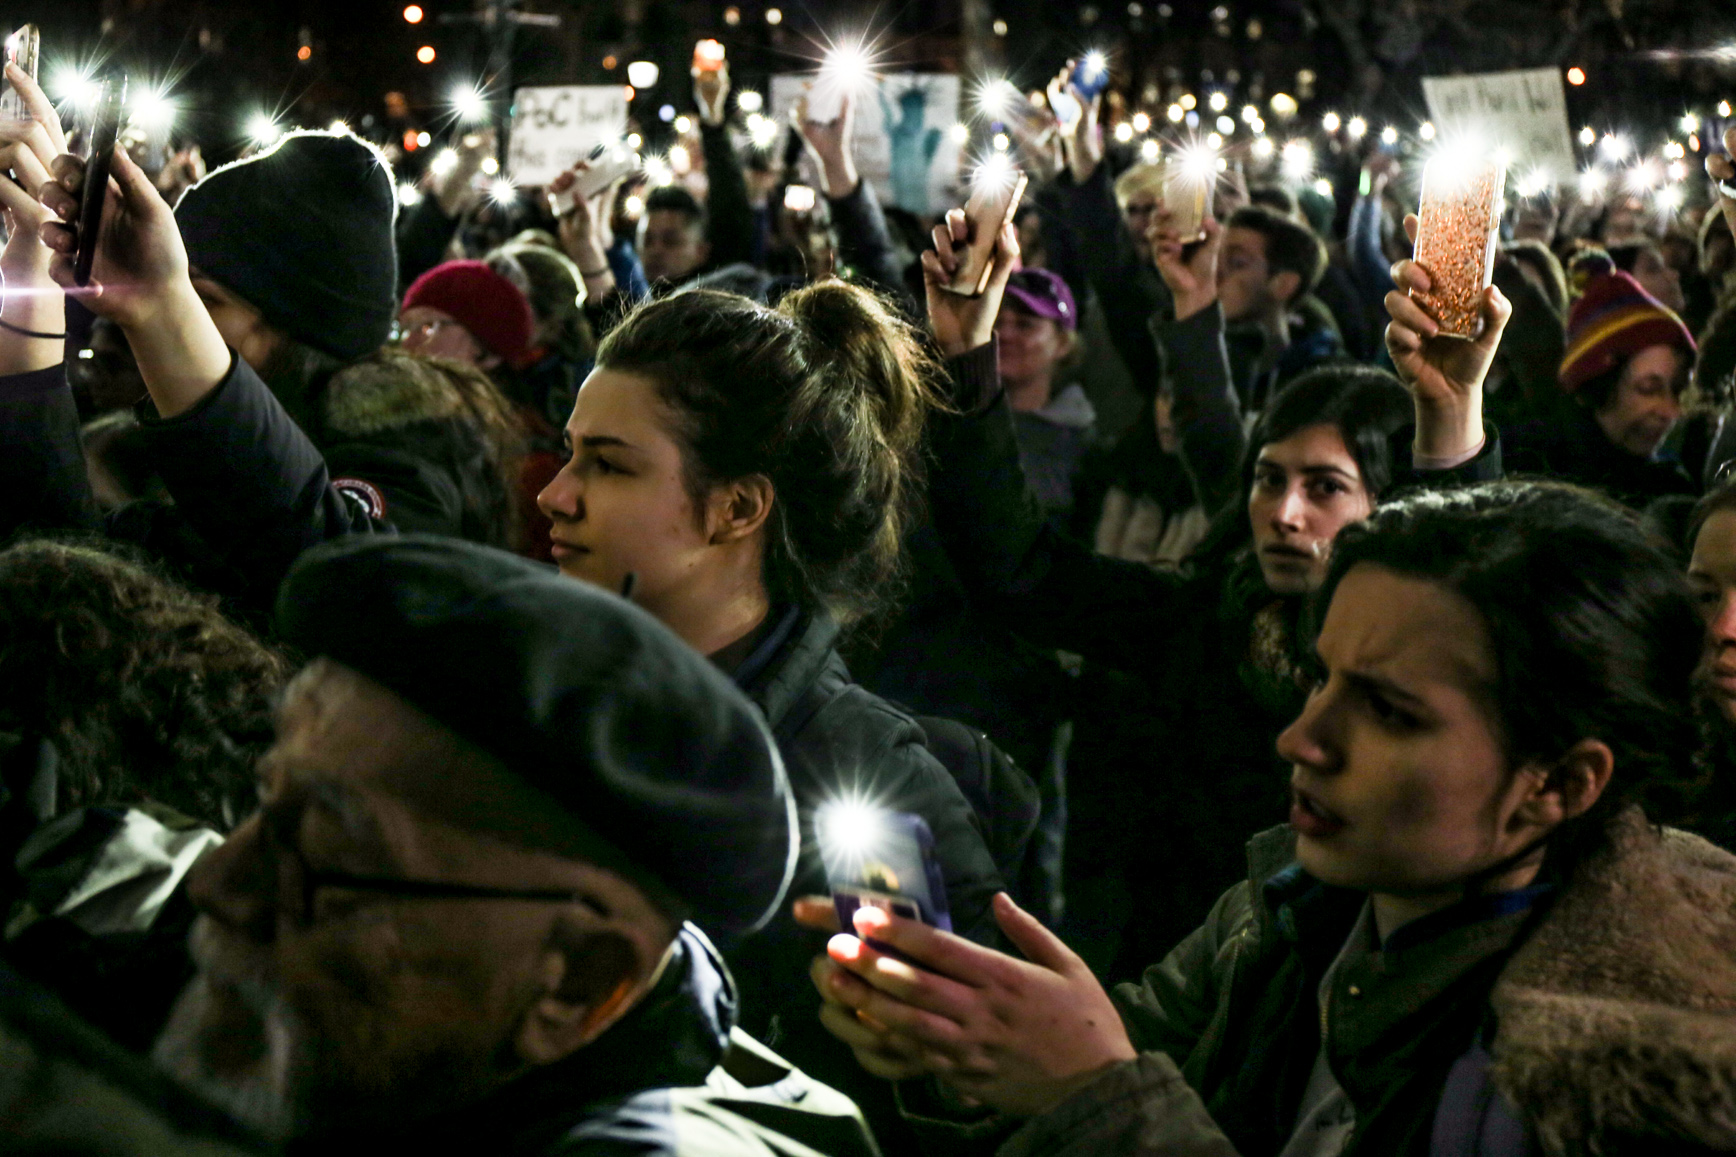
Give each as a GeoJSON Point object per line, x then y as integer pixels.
{"type": "Point", "coordinates": [1458, 227]}
{"type": "Point", "coordinates": [1091, 74]}
{"type": "Point", "coordinates": [22, 49]}
{"type": "Point", "coordinates": [994, 201]}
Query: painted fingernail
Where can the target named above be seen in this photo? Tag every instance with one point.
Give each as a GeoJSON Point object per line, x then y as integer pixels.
{"type": "Point", "coordinates": [871, 919]}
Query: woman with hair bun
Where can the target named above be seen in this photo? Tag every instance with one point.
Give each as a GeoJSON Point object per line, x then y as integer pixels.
{"type": "Point", "coordinates": [748, 472]}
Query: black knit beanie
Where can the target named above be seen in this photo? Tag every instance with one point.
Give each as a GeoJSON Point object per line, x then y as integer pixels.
{"type": "Point", "coordinates": [303, 233]}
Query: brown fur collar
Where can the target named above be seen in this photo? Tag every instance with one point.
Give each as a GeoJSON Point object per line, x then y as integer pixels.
{"type": "Point", "coordinates": [1618, 1016]}
{"type": "Point", "coordinates": [378, 394]}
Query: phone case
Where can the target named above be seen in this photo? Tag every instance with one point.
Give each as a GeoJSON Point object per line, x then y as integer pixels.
{"type": "Point", "coordinates": [22, 48]}
{"type": "Point", "coordinates": [988, 212]}
{"type": "Point", "coordinates": [111, 99]}
{"type": "Point", "coordinates": [1184, 195]}
{"type": "Point", "coordinates": [708, 56]}
{"type": "Point", "coordinates": [1089, 80]}
{"type": "Point", "coordinates": [1457, 233]}
{"type": "Point", "coordinates": [608, 165]}
{"type": "Point", "coordinates": [900, 875]}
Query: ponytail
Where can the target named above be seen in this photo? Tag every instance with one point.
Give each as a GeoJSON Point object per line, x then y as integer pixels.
{"type": "Point", "coordinates": [825, 396]}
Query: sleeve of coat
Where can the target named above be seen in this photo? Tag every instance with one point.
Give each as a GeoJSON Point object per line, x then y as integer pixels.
{"type": "Point", "coordinates": [1016, 568]}
{"type": "Point", "coordinates": [1106, 254]}
{"type": "Point", "coordinates": [1206, 411]}
{"type": "Point", "coordinates": [251, 482]}
{"type": "Point", "coordinates": [728, 212]}
{"type": "Point", "coordinates": [1139, 1108]}
{"type": "Point", "coordinates": [866, 245]}
{"type": "Point", "coordinates": [43, 484]}
{"type": "Point", "coordinates": [1170, 1007]}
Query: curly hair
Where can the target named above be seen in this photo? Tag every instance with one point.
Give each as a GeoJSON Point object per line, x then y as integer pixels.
{"type": "Point", "coordinates": [147, 692]}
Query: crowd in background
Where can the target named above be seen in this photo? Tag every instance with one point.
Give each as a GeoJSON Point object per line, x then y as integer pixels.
{"type": "Point", "coordinates": [430, 625]}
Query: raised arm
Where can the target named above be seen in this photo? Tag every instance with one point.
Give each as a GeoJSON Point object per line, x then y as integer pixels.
{"type": "Point", "coordinates": [42, 475]}
{"type": "Point", "coordinates": [728, 210]}
{"type": "Point", "coordinates": [863, 239]}
{"type": "Point", "coordinates": [1042, 585]}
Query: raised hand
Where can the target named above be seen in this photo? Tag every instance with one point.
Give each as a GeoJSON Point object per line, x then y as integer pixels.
{"type": "Point", "coordinates": [1020, 1035]}
{"type": "Point", "coordinates": [711, 94]}
{"type": "Point", "coordinates": [961, 323]}
{"type": "Point", "coordinates": [139, 280]}
{"type": "Point", "coordinates": [33, 303]}
{"type": "Point", "coordinates": [584, 229]}
{"type": "Point", "coordinates": [1443, 373]}
{"type": "Point", "coordinates": [1192, 277]}
{"type": "Point", "coordinates": [1080, 139]}
{"type": "Point", "coordinates": [829, 144]}
{"type": "Point", "coordinates": [1721, 167]}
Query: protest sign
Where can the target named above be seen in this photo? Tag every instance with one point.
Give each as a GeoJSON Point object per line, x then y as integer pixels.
{"type": "Point", "coordinates": [904, 143]}
{"type": "Point", "coordinates": [554, 127]}
{"type": "Point", "coordinates": [1524, 112]}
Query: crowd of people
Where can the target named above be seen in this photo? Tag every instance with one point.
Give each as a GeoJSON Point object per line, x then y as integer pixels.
{"type": "Point", "coordinates": [430, 633]}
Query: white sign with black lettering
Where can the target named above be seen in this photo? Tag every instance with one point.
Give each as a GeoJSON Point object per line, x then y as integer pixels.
{"type": "Point", "coordinates": [553, 128]}
{"type": "Point", "coordinates": [1524, 112]}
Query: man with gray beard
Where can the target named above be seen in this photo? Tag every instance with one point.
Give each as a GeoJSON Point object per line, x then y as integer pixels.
{"type": "Point", "coordinates": [467, 916]}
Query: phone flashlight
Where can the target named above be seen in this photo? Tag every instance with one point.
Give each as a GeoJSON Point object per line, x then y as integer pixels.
{"type": "Point", "coordinates": [1091, 74]}
{"type": "Point", "coordinates": [883, 859]}
{"type": "Point", "coordinates": [708, 56]}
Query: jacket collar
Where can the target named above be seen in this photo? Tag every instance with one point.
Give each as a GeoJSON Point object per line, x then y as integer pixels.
{"type": "Point", "coordinates": [675, 1036]}
{"type": "Point", "coordinates": [1627, 988]}
{"type": "Point", "coordinates": [788, 661]}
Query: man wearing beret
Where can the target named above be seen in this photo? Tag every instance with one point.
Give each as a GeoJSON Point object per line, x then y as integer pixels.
{"type": "Point", "coordinates": [467, 916]}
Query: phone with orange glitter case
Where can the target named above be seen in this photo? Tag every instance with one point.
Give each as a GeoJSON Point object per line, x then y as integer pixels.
{"type": "Point", "coordinates": [1458, 229]}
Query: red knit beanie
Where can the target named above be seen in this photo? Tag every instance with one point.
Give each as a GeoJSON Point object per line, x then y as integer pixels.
{"type": "Point", "coordinates": [1613, 320]}
{"type": "Point", "coordinates": [492, 308]}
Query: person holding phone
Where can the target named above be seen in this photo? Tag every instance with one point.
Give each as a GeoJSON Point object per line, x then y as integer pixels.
{"type": "Point", "coordinates": [1469, 939]}
{"type": "Point", "coordinates": [1218, 645]}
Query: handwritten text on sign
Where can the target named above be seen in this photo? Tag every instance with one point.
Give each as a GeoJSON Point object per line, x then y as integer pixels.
{"type": "Point", "coordinates": [553, 128]}
{"type": "Point", "coordinates": [1525, 112]}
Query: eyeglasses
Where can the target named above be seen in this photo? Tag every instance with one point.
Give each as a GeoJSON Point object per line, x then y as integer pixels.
{"type": "Point", "coordinates": [277, 831]}
{"type": "Point", "coordinates": [425, 329]}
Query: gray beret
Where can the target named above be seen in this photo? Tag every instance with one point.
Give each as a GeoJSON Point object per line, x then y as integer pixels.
{"type": "Point", "coordinates": [575, 690]}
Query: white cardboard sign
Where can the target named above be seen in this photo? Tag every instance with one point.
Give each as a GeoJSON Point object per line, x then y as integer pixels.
{"type": "Point", "coordinates": [1524, 112]}
{"type": "Point", "coordinates": [904, 144]}
{"type": "Point", "coordinates": [554, 127]}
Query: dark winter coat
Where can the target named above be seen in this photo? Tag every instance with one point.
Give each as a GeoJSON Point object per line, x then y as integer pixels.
{"type": "Point", "coordinates": [837, 737]}
{"type": "Point", "coordinates": [1572, 447]}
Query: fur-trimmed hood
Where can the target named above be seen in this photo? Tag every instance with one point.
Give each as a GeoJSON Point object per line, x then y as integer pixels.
{"type": "Point", "coordinates": [373, 396]}
{"type": "Point", "coordinates": [1617, 1018]}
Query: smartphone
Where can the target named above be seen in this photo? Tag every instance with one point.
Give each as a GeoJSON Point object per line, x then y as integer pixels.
{"type": "Point", "coordinates": [882, 859]}
{"type": "Point", "coordinates": [1091, 74]}
{"type": "Point", "coordinates": [609, 162]}
{"type": "Point", "coordinates": [1185, 195]}
{"type": "Point", "coordinates": [991, 206]}
{"type": "Point", "coordinates": [111, 98]}
{"type": "Point", "coordinates": [707, 56]}
{"type": "Point", "coordinates": [22, 48]}
{"type": "Point", "coordinates": [799, 198]}
{"type": "Point", "coordinates": [1458, 230]}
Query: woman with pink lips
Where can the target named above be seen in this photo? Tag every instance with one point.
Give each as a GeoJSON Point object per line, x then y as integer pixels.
{"type": "Point", "coordinates": [1469, 941]}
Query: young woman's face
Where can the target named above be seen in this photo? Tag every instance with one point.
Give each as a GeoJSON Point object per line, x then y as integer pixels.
{"type": "Point", "coordinates": [1306, 489]}
{"type": "Point", "coordinates": [1400, 783]}
{"type": "Point", "coordinates": [1712, 575]}
{"type": "Point", "coordinates": [436, 333]}
{"type": "Point", "coordinates": [1644, 405]}
{"type": "Point", "coordinates": [620, 506]}
{"type": "Point", "coordinates": [1032, 347]}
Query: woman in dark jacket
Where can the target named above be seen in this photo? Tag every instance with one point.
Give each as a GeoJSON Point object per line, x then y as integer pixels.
{"type": "Point", "coordinates": [1217, 644]}
{"type": "Point", "coordinates": [747, 472]}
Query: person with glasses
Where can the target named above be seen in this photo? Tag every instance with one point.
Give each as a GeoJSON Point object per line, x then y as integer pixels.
{"type": "Point", "coordinates": [503, 815]}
